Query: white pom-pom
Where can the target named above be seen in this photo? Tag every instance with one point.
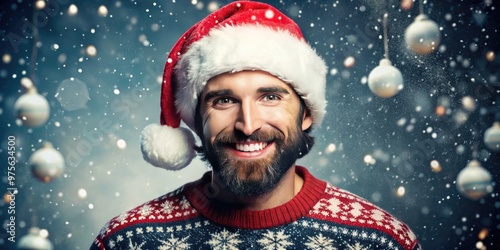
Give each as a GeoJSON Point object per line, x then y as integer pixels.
{"type": "Point", "coordinates": [167, 147]}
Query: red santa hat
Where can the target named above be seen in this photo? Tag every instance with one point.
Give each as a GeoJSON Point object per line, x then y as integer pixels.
{"type": "Point", "coordinates": [243, 35]}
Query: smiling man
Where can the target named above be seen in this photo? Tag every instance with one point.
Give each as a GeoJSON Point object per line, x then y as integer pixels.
{"type": "Point", "coordinates": [252, 123]}
{"type": "Point", "coordinates": [246, 82]}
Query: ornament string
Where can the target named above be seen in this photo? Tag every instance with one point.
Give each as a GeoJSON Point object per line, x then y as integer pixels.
{"type": "Point", "coordinates": [34, 50]}
{"type": "Point", "coordinates": [421, 6]}
{"type": "Point", "coordinates": [386, 40]}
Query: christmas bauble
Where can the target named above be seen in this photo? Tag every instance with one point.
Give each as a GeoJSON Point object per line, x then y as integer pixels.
{"type": "Point", "coordinates": [492, 137]}
{"type": "Point", "coordinates": [47, 163]}
{"type": "Point", "coordinates": [474, 181]}
{"type": "Point", "coordinates": [34, 241]}
{"type": "Point", "coordinates": [385, 80]}
{"type": "Point", "coordinates": [422, 36]}
{"type": "Point", "coordinates": [32, 108]}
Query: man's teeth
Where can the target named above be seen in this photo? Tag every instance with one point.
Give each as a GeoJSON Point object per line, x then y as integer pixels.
{"type": "Point", "coordinates": [250, 147]}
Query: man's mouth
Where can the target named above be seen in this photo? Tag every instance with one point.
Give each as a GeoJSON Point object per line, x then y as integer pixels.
{"type": "Point", "coordinates": [251, 146]}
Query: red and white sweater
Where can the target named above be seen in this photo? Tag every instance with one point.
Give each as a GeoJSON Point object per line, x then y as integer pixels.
{"type": "Point", "coordinates": [320, 216]}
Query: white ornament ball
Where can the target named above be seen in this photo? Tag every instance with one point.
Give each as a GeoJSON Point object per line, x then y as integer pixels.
{"type": "Point", "coordinates": [492, 137]}
{"type": "Point", "coordinates": [423, 36]}
{"type": "Point", "coordinates": [474, 181]}
{"type": "Point", "coordinates": [35, 240]}
{"type": "Point", "coordinates": [32, 108]}
{"type": "Point", "coordinates": [47, 163]}
{"type": "Point", "coordinates": [385, 80]}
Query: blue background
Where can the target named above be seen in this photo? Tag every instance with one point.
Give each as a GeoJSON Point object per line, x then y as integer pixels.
{"type": "Point", "coordinates": [116, 94]}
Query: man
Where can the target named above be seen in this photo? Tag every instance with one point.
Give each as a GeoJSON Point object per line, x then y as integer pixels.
{"type": "Point", "coordinates": [245, 81]}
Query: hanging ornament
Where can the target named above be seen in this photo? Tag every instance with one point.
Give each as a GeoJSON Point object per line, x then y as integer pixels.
{"type": "Point", "coordinates": [47, 163]}
{"type": "Point", "coordinates": [492, 137]}
{"type": "Point", "coordinates": [31, 108]}
{"type": "Point", "coordinates": [36, 239]}
{"type": "Point", "coordinates": [474, 181]}
{"type": "Point", "coordinates": [385, 80]}
{"type": "Point", "coordinates": [422, 36]}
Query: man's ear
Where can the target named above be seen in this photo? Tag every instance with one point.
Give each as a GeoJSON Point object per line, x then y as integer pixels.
{"type": "Point", "coordinates": [307, 120]}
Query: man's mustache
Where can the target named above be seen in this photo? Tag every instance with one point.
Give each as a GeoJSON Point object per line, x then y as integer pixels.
{"type": "Point", "coordinates": [237, 136]}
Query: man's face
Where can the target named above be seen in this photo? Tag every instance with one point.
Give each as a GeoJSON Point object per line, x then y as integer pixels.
{"type": "Point", "coordinates": [252, 130]}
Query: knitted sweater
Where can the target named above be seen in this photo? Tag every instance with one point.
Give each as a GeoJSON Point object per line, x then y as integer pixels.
{"type": "Point", "coordinates": [320, 216]}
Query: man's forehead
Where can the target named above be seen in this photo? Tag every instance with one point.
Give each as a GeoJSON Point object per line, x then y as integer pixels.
{"type": "Point", "coordinates": [251, 80]}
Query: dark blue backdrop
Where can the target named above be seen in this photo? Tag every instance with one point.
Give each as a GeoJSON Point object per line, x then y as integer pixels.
{"type": "Point", "coordinates": [95, 123]}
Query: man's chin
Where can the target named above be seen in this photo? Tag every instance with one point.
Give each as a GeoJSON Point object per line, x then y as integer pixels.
{"type": "Point", "coordinates": [249, 176]}
{"type": "Point", "coordinates": [252, 169]}
{"type": "Point", "coordinates": [250, 188]}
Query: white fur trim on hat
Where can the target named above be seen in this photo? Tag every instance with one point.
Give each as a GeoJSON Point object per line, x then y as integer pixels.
{"type": "Point", "coordinates": [167, 147]}
{"type": "Point", "coordinates": [251, 47]}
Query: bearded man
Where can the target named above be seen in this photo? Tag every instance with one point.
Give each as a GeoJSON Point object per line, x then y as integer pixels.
{"type": "Point", "coordinates": [247, 83]}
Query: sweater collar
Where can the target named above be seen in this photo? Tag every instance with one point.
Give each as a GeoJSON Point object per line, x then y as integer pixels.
{"type": "Point", "coordinates": [201, 197]}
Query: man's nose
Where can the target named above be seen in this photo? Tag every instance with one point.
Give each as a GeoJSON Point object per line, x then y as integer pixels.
{"type": "Point", "coordinates": [249, 118]}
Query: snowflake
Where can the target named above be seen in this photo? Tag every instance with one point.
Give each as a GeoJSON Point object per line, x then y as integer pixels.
{"type": "Point", "coordinates": [377, 215]}
{"type": "Point", "coordinates": [357, 246]}
{"type": "Point", "coordinates": [174, 243]}
{"type": "Point", "coordinates": [320, 242]}
{"type": "Point", "coordinates": [224, 240]}
{"type": "Point", "coordinates": [364, 235]}
{"type": "Point", "coordinates": [184, 203]}
{"type": "Point", "coordinates": [396, 225]}
{"type": "Point", "coordinates": [111, 244]}
{"type": "Point", "coordinates": [119, 238]}
{"type": "Point", "coordinates": [133, 246]}
{"type": "Point", "coordinates": [383, 240]}
{"type": "Point", "coordinates": [122, 218]}
{"type": "Point", "coordinates": [276, 240]}
{"type": "Point", "coordinates": [354, 233]}
{"type": "Point", "coordinates": [145, 210]}
{"type": "Point", "coordinates": [168, 206]}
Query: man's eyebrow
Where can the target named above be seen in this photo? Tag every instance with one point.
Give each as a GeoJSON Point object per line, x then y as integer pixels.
{"type": "Point", "coordinates": [217, 93]}
{"type": "Point", "coordinates": [227, 92]}
{"type": "Point", "coordinates": [273, 90]}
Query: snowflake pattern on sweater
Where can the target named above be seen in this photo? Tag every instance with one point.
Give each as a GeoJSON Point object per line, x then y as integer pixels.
{"type": "Point", "coordinates": [321, 216]}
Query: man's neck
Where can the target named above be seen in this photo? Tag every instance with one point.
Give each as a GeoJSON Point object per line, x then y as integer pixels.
{"type": "Point", "coordinates": [289, 185]}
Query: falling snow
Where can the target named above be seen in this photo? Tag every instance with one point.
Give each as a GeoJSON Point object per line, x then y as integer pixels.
{"type": "Point", "coordinates": [100, 65]}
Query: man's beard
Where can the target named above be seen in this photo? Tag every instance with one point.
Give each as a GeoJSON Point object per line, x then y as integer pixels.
{"type": "Point", "coordinates": [253, 177]}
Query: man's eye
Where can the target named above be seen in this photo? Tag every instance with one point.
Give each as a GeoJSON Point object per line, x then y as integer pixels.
{"type": "Point", "coordinates": [271, 97]}
{"type": "Point", "coordinates": [222, 101]}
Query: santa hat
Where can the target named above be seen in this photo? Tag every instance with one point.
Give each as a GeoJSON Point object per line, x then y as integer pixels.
{"type": "Point", "coordinates": [243, 35]}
